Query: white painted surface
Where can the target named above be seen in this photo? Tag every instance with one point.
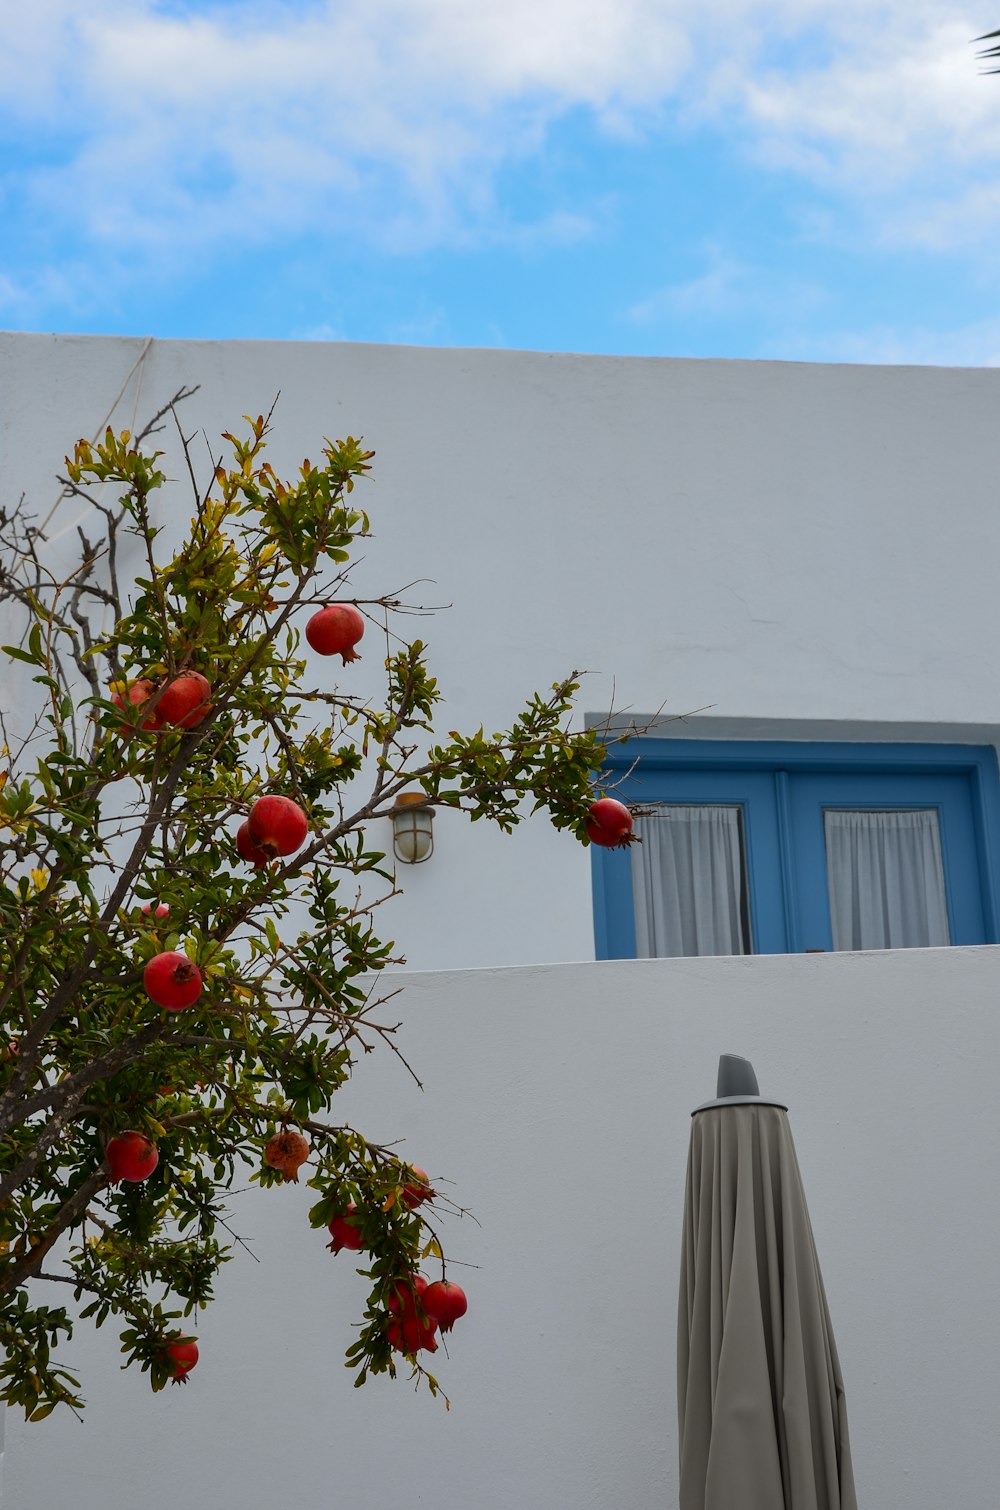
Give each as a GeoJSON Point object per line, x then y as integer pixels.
{"type": "Point", "coordinates": [800, 547]}
{"type": "Point", "coordinates": [558, 1100]}
{"type": "Point", "coordinates": [811, 551]}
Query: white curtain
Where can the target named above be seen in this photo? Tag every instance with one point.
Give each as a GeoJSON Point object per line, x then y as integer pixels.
{"type": "Point", "coordinates": [886, 879]}
{"type": "Point", "coordinates": [687, 882]}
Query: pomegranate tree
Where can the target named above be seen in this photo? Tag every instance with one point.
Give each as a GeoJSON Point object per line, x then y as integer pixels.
{"type": "Point", "coordinates": [193, 813]}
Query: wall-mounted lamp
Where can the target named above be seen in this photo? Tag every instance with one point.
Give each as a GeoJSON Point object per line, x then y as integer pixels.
{"type": "Point", "coordinates": [412, 828]}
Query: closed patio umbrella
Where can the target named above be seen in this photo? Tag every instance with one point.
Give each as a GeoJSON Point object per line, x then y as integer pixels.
{"type": "Point", "coordinates": [761, 1410]}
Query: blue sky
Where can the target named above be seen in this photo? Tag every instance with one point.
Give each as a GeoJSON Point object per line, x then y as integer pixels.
{"type": "Point", "coordinates": [796, 179]}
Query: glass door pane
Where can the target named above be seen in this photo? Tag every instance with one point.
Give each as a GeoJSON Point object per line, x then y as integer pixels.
{"type": "Point", "coordinates": [814, 797]}
{"type": "Point", "coordinates": [886, 878]}
{"type": "Point", "coordinates": [689, 882]}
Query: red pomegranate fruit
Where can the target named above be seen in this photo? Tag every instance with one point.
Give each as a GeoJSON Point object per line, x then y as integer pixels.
{"type": "Point", "coordinates": [418, 1189]}
{"type": "Point", "coordinates": [609, 824]}
{"type": "Point", "coordinates": [287, 1151]}
{"type": "Point", "coordinates": [139, 693]}
{"type": "Point", "coordinates": [412, 1334]}
{"type": "Point", "coordinates": [181, 1356]}
{"type": "Point", "coordinates": [172, 981]}
{"type": "Point", "coordinates": [405, 1294]}
{"type": "Point", "coordinates": [444, 1303]}
{"type": "Point", "coordinates": [248, 850]}
{"type": "Point", "coordinates": [185, 700]}
{"type": "Point", "coordinates": [335, 630]}
{"type": "Point", "coordinates": [344, 1233]}
{"type": "Point", "coordinates": [277, 825]}
{"type": "Point", "coordinates": [131, 1156]}
{"type": "Point", "coordinates": [410, 1330]}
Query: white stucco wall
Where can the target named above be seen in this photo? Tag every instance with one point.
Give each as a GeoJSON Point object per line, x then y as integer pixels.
{"type": "Point", "coordinates": [558, 1100]}
{"type": "Point", "coordinates": [808, 550]}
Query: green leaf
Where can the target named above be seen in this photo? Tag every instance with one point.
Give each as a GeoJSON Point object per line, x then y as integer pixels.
{"type": "Point", "coordinates": [20, 655]}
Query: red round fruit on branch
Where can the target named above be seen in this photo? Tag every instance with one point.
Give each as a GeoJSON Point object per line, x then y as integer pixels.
{"type": "Point", "coordinates": [412, 1334]}
{"type": "Point", "coordinates": [287, 1151]}
{"type": "Point", "coordinates": [162, 909]}
{"type": "Point", "coordinates": [131, 1156]}
{"type": "Point", "coordinates": [444, 1303]}
{"type": "Point", "coordinates": [248, 849]}
{"type": "Point", "coordinates": [418, 1188]}
{"type": "Point", "coordinates": [139, 693]}
{"type": "Point", "coordinates": [185, 700]}
{"type": "Point", "coordinates": [344, 1232]}
{"type": "Point", "coordinates": [404, 1295]}
{"type": "Point", "coordinates": [410, 1330]}
{"type": "Point", "coordinates": [181, 1356]}
{"type": "Point", "coordinates": [609, 824]}
{"type": "Point", "coordinates": [335, 630]}
{"type": "Point", "coordinates": [172, 981]}
{"type": "Point", "coordinates": [277, 825]}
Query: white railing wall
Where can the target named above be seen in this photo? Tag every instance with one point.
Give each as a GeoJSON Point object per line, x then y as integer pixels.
{"type": "Point", "coordinates": [557, 1098]}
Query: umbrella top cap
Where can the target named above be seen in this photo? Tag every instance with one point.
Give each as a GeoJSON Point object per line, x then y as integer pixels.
{"type": "Point", "coordinates": [737, 1086]}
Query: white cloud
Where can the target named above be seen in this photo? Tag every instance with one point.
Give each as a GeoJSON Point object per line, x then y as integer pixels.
{"type": "Point", "coordinates": [73, 286]}
{"type": "Point", "coordinates": [974, 345]}
{"type": "Point", "coordinates": [324, 332]}
{"type": "Point", "coordinates": [727, 287]}
{"type": "Point", "coordinates": [388, 119]}
{"type": "Point", "coordinates": [560, 228]}
{"type": "Point", "coordinates": [888, 103]}
{"type": "Point", "coordinates": [716, 291]}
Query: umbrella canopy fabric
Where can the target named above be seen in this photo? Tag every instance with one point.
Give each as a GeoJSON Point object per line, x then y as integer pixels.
{"type": "Point", "coordinates": [762, 1415]}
